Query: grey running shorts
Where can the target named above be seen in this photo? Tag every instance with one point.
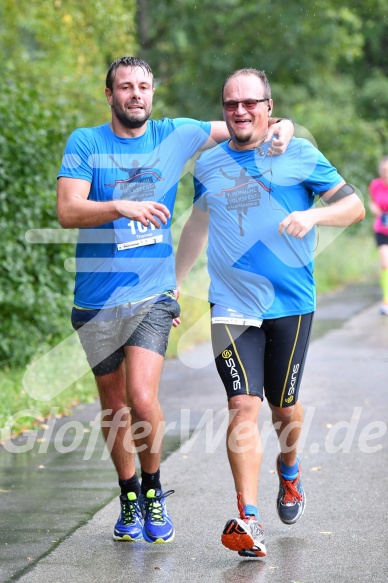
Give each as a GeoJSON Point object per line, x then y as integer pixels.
{"type": "Point", "coordinates": [104, 333]}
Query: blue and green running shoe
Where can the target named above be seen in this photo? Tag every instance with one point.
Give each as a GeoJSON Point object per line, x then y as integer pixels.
{"type": "Point", "coordinates": [158, 527]}
{"type": "Point", "coordinates": [129, 526]}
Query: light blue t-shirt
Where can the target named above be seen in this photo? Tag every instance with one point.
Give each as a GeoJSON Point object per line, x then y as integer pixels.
{"type": "Point", "coordinates": [124, 261]}
{"type": "Point", "coordinates": [254, 269]}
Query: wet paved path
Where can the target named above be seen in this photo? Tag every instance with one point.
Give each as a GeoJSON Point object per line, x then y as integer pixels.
{"type": "Point", "coordinates": [342, 537]}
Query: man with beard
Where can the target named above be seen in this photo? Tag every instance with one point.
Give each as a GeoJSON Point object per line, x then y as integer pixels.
{"type": "Point", "coordinates": [262, 291]}
{"type": "Point", "coordinates": [124, 305]}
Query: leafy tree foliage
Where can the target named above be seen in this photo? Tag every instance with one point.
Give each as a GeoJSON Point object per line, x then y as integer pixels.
{"type": "Point", "coordinates": [34, 287]}
{"type": "Point", "coordinates": [55, 56]}
{"type": "Point", "coordinates": [196, 44]}
{"type": "Point", "coordinates": [325, 60]}
{"type": "Point", "coordinates": [64, 47]}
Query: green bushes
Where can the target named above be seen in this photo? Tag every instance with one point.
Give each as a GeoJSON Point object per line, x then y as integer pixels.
{"type": "Point", "coordinates": [35, 289]}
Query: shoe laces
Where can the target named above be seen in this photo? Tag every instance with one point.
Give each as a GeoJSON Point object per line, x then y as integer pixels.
{"type": "Point", "coordinates": [241, 510]}
{"type": "Point", "coordinates": [154, 506]}
{"type": "Point", "coordinates": [291, 492]}
{"type": "Point", "coordinates": [240, 507]}
{"type": "Point", "coordinates": [129, 508]}
{"type": "Point", "coordinates": [255, 527]}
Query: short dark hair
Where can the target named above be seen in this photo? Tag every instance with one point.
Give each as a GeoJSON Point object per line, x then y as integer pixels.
{"type": "Point", "coordinates": [260, 74]}
{"type": "Point", "coordinates": [126, 62]}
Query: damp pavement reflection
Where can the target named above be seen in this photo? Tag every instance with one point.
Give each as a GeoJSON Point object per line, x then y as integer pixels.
{"type": "Point", "coordinates": [54, 487]}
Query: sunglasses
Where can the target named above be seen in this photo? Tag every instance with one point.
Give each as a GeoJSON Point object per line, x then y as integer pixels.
{"type": "Point", "coordinates": [247, 103]}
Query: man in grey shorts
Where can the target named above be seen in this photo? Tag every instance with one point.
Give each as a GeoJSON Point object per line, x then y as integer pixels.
{"type": "Point", "coordinates": [117, 184]}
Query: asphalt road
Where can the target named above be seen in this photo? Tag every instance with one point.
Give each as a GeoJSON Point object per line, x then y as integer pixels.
{"type": "Point", "coordinates": [342, 537]}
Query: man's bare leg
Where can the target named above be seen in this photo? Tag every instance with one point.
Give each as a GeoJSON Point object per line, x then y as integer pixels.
{"type": "Point", "coordinates": [144, 370]}
{"type": "Point", "coordinates": [245, 534]}
{"type": "Point", "coordinates": [244, 445]}
{"type": "Point", "coordinates": [288, 424]}
{"type": "Point", "coordinates": [291, 499]}
{"type": "Point", "coordinates": [112, 391]}
{"type": "Point", "coordinates": [134, 385]}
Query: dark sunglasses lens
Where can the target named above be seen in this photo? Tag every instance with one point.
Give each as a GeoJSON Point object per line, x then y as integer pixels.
{"type": "Point", "coordinates": [231, 105]}
{"type": "Point", "coordinates": [247, 103]}
{"type": "Point", "coordinates": [250, 103]}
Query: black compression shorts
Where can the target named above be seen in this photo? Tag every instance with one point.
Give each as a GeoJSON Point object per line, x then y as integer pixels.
{"type": "Point", "coordinates": [381, 239]}
{"type": "Point", "coordinates": [263, 361]}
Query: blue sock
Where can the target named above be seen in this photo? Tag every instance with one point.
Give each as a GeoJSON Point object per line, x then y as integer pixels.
{"type": "Point", "coordinates": [289, 472]}
{"type": "Point", "coordinates": [250, 510]}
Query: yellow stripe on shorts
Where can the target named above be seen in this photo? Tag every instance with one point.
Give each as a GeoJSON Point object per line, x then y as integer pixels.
{"type": "Point", "coordinates": [291, 357]}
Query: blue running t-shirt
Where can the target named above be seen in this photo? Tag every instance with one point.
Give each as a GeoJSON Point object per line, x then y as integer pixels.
{"type": "Point", "coordinates": [253, 268]}
{"type": "Point", "coordinates": [124, 261]}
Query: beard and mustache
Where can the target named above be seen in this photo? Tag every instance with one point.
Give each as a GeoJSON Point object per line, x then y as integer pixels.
{"type": "Point", "coordinates": [132, 120]}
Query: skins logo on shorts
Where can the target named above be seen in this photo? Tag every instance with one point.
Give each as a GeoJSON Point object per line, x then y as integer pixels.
{"type": "Point", "coordinates": [226, 354]}
{"type": "Point", "coordinates": [291, 389]}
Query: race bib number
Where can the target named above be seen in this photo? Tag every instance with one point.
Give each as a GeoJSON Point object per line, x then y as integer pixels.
{"type": "Point", "coordinates": [136, 234]}
{"type": "Point", "coordinates": [221, 315]}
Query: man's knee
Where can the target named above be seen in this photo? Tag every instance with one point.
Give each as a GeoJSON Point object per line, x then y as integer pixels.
{"type": "Point", "coordinates": [244, 406]}
{"type": "Point", "coordinates": [286, 414]}
{"type": "Point", "coordinates": [143, 405]}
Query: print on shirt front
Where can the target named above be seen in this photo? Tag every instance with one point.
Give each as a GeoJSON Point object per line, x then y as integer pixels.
{"type": "Point", "coordinates": [140, 185]}
{"type": "Point", "coordinates": [244, 194]}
